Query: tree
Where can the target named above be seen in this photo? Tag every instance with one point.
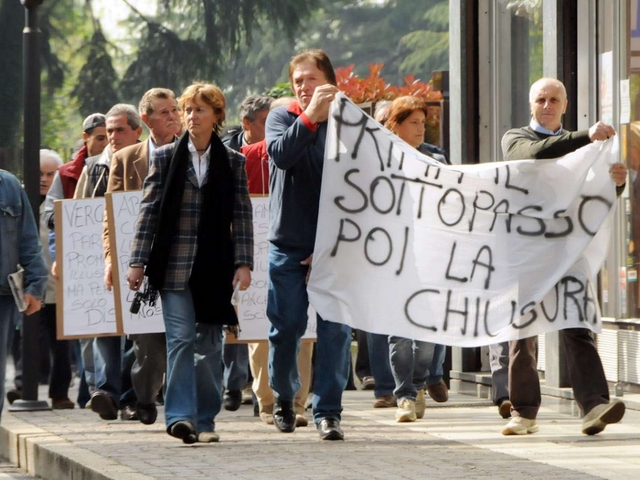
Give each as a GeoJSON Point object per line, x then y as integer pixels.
{"type": "Point", "coordinates": [196, 40]}
{"type": "Point", "coordinates": [242, 45]}
{"type": "Point", "coordinates": [96, 88]}
{"type": "Point", "coordinates": [11, 23]}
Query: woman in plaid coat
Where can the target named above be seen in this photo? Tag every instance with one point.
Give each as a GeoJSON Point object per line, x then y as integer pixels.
{"type": "Point", "coordinates": [194, 243]}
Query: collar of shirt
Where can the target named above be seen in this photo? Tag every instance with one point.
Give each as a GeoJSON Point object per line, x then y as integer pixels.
{"type": "Point", "coordinates": [540, 129]}
{"type": "Point", "coordinates": [244, 140]}
{"type": "Point", "coordinates": [200, 162]}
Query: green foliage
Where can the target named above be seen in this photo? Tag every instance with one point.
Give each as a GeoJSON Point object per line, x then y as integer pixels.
{"type": "Point", "coordinates": [160, 43]}
{"type": "Point", "coordinates": [96, 89]}
{"type": "Point", "coordinates": [199, 40]}
{"type": "Point", "coordinates": [242, 45]}
{"type": "Point", "coordinates": [424, 46]}
{"type": "Point", "coordinates": [280, 90]}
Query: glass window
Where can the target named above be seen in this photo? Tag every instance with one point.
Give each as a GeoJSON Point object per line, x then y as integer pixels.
{"type": "Point", "coordinates": [631, 153]}
{"type": "Point", "coordinates": [507, 68]}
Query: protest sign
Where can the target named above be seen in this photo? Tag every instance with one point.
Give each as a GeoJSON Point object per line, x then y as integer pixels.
{"type": "Point", "coordinates": [458, 255]}
{"type": "Point", "coordinates": [122, 215]}
{"type": "Point", "coordinates": [84, 306]}
{"type": "Point", "coordinates": [252, 303]}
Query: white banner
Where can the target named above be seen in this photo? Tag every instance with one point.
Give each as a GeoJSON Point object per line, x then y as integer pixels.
{"type": "Point", "coordinates": [458, 255]}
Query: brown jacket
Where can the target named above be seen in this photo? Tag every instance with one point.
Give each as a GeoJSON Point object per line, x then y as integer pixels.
{"type": "Point", "coordinates": [129, 168]}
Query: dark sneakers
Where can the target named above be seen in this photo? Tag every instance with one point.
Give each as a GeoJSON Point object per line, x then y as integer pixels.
{"type": "Point", "coordinates": [13, 395]}
{"type": "Point", "coordinates": [232, 400]}
{"type": "Point", "coordinates": [329, 429]}
{"type": "Point", "coordinates": [284, 416]}
{"type": "Point", "coordinates": [183, 430]}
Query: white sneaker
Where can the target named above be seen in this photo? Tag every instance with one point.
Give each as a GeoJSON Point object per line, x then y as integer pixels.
{"type": "Point", "coordinates": [420, 404]}
{"type": "Point", "coordinates": [602, 415]}
{"type": "Point", "coordinates": [520, 426]}
{"type": "Point", "coordinates": [406, 410]}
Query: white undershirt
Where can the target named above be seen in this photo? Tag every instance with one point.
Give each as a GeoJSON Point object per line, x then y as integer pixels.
{"type": "Point", "coordinates": [200, 162]}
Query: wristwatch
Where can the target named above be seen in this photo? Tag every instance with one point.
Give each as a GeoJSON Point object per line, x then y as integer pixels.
{"type": "Point", "coordinates": [136, 265]}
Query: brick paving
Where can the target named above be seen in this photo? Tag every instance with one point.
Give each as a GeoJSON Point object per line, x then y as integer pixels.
{"type": "Point", "coordinates": [456, 440]}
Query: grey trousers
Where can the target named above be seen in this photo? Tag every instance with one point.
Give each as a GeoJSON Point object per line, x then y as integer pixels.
{"type": "Point", "coordinates": [149, 367]}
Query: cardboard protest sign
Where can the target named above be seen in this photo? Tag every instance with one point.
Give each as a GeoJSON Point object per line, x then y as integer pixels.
{"type": "Point", "coordinates": [84, 306]}
{"type": "Point", "coordinates": [458, 255]}
{"type": "Point", "coordinates": [122, 215]}
{"type": "Point", "coordinates": [252, 303]}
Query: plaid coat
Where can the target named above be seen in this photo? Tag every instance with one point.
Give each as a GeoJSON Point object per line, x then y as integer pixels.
{"type": "Point", "coordinates": [183, 249]}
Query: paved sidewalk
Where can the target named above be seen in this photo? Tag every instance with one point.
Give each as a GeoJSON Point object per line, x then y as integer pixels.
{"type": "Point", "coordinates": [456, 440]}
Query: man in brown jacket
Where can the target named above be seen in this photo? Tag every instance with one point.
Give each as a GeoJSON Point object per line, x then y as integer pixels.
{"type": "Point", "coordinates": [129, 166]}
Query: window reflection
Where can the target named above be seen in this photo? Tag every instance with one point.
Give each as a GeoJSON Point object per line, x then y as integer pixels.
{"type": "Point", "coordinates": [632, 157]}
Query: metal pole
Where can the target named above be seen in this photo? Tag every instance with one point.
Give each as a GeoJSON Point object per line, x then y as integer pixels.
{"type": "Point", "coordinates": [31, 169]}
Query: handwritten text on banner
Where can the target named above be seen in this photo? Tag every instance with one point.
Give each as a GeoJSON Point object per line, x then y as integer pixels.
{"type": "Point", "coordinates": [459, 255]}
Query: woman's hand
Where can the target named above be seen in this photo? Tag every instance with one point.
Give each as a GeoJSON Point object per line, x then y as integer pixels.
{"type": "Point", "coordinates": [135, 275]}
{"type": "Point", "coordinates": [242, 275]}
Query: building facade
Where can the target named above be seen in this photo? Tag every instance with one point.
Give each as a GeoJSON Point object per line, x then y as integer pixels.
{"type": "Point", "coordinates": [497, 49]}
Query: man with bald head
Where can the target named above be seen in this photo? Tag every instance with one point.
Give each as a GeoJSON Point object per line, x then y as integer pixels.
{"type": "Point", "coordinates": [544, 137]}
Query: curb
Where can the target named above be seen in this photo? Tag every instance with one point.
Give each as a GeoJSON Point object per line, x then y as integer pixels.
{"type": "Point", "coordinates": [47, 456]}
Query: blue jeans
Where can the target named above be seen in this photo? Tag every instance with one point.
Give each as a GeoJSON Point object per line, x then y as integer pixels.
{"type": "Point", "coordinates": [236, 366]}
{"type": "Point", "coordinates": [287, 305]}
{"type": "Point", "coordinates": [9, 317]}
{"type": "Point", "coordinates": [414, 364]}
{"type": "Point", "coordinates": [379, 364]}
{"type": "Point", "coordinates": [113, 358]}
{"type": "Point", "coordinates": [194, 364]}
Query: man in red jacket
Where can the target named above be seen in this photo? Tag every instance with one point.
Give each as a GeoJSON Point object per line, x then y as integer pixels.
{"type": "Point", "coordinates": [94, 134]}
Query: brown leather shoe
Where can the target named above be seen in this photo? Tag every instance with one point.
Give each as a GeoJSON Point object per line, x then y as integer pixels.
{"type": "Point", "coordinates": [104, 405]}
{"type": "Point", "coordinates": [301, 420]}
{"type": "Point", "coordinates": [438, 391]}
{"type": "Point", "coordinates": [62, 404]}
{"type": "Point", "coordinates": [385, 401]}
{"type": "Point", "coordinates": [505, 408]}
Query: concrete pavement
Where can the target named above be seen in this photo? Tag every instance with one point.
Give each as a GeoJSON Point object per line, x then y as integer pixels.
{"type": "Point", "coordinates": [458, 439]}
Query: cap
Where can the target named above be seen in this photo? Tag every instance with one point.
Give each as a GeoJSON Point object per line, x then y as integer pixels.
{"type": "Point", "coordinates": [92, 121]}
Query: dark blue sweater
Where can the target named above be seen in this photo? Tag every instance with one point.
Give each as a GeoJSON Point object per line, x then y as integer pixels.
{"type": "Point", "coordinates": [296, 157]}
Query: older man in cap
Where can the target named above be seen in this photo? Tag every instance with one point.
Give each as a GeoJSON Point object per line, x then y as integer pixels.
{"type": "Point", "coordinates": [94, 135]}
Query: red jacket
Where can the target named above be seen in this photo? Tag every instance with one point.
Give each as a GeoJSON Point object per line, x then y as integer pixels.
{"type": "Point", "coordinates": [257, 167]}
{"type": "Point", "coordinates": [70, 172]}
